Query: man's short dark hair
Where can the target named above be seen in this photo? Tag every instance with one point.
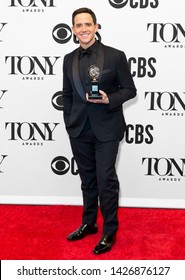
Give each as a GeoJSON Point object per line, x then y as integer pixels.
{"type": "Point", "coordinates": [84, 10]}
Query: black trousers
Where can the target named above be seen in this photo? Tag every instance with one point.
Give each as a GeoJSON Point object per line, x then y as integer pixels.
{"type": "Point", "coordinates": [96, 165]}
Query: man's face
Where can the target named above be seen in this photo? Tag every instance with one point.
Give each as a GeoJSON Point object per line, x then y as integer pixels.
{"type": "Point", "coordinates": [85, 29]}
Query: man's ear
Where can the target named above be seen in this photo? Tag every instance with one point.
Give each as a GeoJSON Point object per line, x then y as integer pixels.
{"type": "Point", "coordinates": [73, 29]}
{"type": "Point", "coordinates": [97, 27]}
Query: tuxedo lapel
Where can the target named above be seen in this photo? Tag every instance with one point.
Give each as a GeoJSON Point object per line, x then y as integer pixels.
{"type": "Point", "coordinates": [100, 59]}
{"type": "Point", "coordinates": [76, 77]}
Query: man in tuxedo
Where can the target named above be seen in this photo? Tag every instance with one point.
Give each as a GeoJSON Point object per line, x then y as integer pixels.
{"type": "Point", "coordinates": [95, 126]}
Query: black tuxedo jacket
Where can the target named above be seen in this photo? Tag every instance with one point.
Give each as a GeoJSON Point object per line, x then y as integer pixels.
{"type": "Point", "coordinates": [107, 120]}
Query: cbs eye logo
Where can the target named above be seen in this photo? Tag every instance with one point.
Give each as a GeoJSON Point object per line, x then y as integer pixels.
{"type": "Point", "coordinates": [62, 33]}
{"type": "Point", "coordinates": [57, 101]}
{"type": "Point", "coordinates": [118, 3]}
{"type": "Point", "coordinates": [61, 165]}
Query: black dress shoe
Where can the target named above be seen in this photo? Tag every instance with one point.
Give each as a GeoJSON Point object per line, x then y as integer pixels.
{"type": "Point", "coordinates": [82, 232]}
{"type": "Point", "coordinates": [105, 244]}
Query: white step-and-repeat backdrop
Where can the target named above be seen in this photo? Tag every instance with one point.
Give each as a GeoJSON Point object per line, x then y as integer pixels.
{"type": "Point", "coordinates": [36, 163]}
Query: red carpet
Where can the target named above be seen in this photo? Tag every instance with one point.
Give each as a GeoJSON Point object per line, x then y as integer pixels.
{"type": "Point", "coordinates": [39, 233]}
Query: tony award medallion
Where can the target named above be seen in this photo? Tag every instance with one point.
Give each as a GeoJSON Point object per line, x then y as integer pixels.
{"type": "Point", "coordinates": [94, 73]}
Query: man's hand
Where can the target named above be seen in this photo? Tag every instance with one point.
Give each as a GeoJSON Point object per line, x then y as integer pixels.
{"type": "Point", "coordinates": [104, 99]}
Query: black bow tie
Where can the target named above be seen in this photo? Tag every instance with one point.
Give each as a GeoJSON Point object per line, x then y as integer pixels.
{"type": "Point", "coordinates": [84, 52]}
